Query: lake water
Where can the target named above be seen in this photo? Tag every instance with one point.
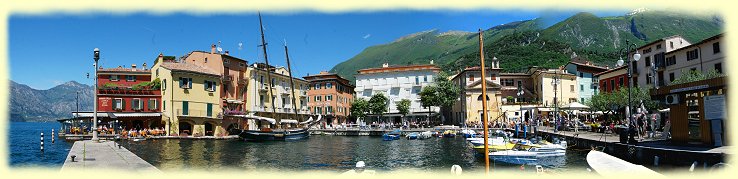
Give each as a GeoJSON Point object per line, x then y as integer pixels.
{"type": "Point", "coordinates": [325, 153]}
{"type": "Point", "coordinates": [25, 139]}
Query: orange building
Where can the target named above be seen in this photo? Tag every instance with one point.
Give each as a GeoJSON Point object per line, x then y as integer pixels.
{"type": "Point", "coordinates": [331, 96]}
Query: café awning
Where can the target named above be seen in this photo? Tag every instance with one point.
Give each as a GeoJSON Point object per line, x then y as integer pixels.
{"type": "Point", "coordinates": [288, 121]}
{"type": "Point", "coordinates": [115, 114]}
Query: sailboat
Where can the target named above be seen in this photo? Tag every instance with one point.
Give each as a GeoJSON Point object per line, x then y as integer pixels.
{"type": "Point", "coordinates": [290, 132]}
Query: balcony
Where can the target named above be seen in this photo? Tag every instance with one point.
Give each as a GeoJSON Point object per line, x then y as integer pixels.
{"type": "Point", "coordinates": [195, 113]}
{"type": "Point", "coordinates": [226, 78]}
{"type": "Point", "coordinates": [129, 91]}
{"type": "Point", "coordinates": [258, 108]}
{"type": "Point", "coordinates": [285, 91]}
{"type": "Point", "coordinates": [303, 93]}
{"type": "Point", "coordinates": [264, 88]}
{"type": "Point", "coordinates": [243, 81]}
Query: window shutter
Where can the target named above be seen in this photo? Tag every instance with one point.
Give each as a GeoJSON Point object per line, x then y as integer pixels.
{"type": "Point", "coordinates": [181, 82]}
{"type": "Point", "coordinates": [206, 85]}
{"type": "Point", "coordinates": [189, 83]}
{"type": "Point", "coordinates": [115, 104]}
{"type": "Point", "coordinates": [215, 85]}
{"type": "Point", "coordinates": [123, 104]}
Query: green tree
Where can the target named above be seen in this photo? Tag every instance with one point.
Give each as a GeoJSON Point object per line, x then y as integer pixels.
{"type": "Point", "coordinates": [378, 104]}
{"type": "Point", "coordinates": [403, 107]}
{"type": "Point", "coordinates": [359, 108]}
{"type": "Point", "coordinates": [693, 75]}
{"type": "Point", "coordinates": [428, 99]}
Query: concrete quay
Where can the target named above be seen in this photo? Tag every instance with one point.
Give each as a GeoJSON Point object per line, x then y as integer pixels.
{"type": "Point", "coordinates": [104, 155]}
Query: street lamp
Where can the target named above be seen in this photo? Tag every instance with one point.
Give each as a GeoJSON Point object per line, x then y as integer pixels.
{"type": "Point", "coordinates": [94, 112]}
{"type": "Point", "coordinates": [637, 56]}
{"type": "Point", "coordinates": [555, 82]}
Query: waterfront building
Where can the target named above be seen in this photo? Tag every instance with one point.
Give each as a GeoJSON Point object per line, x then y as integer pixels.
{"type": "Point", "coordinates": [329, 95]}
{"type": "Point", "coordinates": [234, 79]}
{"type": "Point", "coordinates": [397, 83]}
{"type": "Point", "coordinates": [260, 104]}
{"type": "Point", "coordinates": [612, 79]}
{"type": "Point", "coordinates": [584, 70]}
{"type": "Point", "coordinates": [702, 57]}
{"type": "Point", "coordinates": [653, 54]}
{"type": "Point", "coordinates": [127, 98]}
{"type": "Point", "coordinates": [190, 97]}
{"type": "Point", "coordinates": [697, 109]}
{"type": "Point", "coordinates": [469, 108]}
{"type": "Point", "coordinates": [566, 90]}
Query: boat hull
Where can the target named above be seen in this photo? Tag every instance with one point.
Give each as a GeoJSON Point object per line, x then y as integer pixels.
{"type": "Point", "coordinates": [274, 136]}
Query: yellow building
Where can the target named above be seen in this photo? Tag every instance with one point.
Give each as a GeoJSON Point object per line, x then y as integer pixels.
{"type": "Point", "coordinates": [469, 108]}
{"type": "Point", "coordinates": [259, 102]}
{"type": "Point", "coordinates": [566, 91]}
{"type": "Point", "coordinates": [191, 102]}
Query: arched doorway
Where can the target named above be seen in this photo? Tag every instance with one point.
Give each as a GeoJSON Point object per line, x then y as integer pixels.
{"type": "Point", "coordinates": [185, 128]}
{"type": "Point", "coordinates": [233, 129]}
{"type": "Point", "coordinates": [209, 129]}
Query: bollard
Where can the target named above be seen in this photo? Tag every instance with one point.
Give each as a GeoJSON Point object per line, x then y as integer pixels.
{"type": "Point", "coordinates": [42, 141]}
{"type": "Point", "coordinates": [656, 161]}
{"type": "Point", "coordinates": [52, 136]}
{"type": "Point", "coordinates": [456, 169]}
{"type": "Point", "coordinates": [73, 156]}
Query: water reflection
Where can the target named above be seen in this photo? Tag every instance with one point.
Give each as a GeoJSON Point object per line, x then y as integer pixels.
{"type": "Point", "coordinates": [327, 153]}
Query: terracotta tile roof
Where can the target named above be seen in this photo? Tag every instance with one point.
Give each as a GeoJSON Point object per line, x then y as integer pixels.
{"type": "Point", "coordinates": [174, 66]}
{"type": "Point", "coordinates": [610, 70]}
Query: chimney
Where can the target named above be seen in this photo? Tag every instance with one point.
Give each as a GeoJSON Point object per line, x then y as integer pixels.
{"type": "Point", "coordinates": [133, 67]}
{"type": "Point", "coordinates": [212, 49]}
{"type": "Point", "coordinates": [607, 66]}
{"type": "Point", "coordinates": [144, 66]}
{"type": "Point", "coordinates": [226, 52]}
{"type": "Point", "coordinates": [161, 57]}
{"type": "Point", "coordinates": [431, 62]}
{"type": "Point", "coordinates": [385, 65]}
{"type": "Point", "coordinates": [323, 72]}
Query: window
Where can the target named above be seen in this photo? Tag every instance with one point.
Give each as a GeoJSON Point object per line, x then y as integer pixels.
{"type": "Point", "coordinates": [508, 82]}
{"type": "Point", "coordinates": [648, 61]}
{"type": "Point", "coordinates": [417, 80]}
{"type": "Point", "coordinates": [261, 100]}
{"type": "Point", "coordinates": [210, 86]}
{"type": "Point", "coordinates": [670, 60]}
{"type": "Point", "coordinates": [604, 85]}
{"type": "Point", "coordinates": [164, 105]}
{"type": "Point", "coordinates": [658, 46]}
{"type": "Point", "coordinates": [118, 104]}
{"type": "Point", "coordinates": [115, 77]}
{"type": "Point", "coordinates": [317, 86]}
{"type": "Point", "coordinates": [328, 85]}
{"type": "Point", "coordinates": [692, 54]}
{"type": "Point", "coordinates": [152, 104]}
{"type": "Point", "coordinates": [471, 77]}
{"type": "Point", "coordinates": [210, 110]}
{"type": "Point", "coordinates": [164, 84]}
{"type": "Point", "coordinates": [648, 50]}
{"type": "Point", "coordinates": [329, 109]}
{"type": "Point", "coordinates": [136, 104]}
{"type": "Point", "coordinates": [206, 59]}
{"type": "Point", "coordinates": [621, 81]}
{"type": "Point", "coordinates": [225, 61]}
{"type": "Point", "coordinates": [318, 98]}
{"type": "Point", "coordinates": [671, 45]}
{"type": "Point", "coordinates": [157, 72]}
{"type": "Point", "coordinates": [241, 64]}
{"type": "Point", "coordinates": [581, 87]}
{"type": "Point", "coordinates": [648, 78]}
{"type": "Point", "coordinates": [479, 98]}
{"type": "Point", "coordinates": [716, 47]}
{"type": "Point", "coordinates": [571, 87]}
{"type": "Point", "coordinates": [612, 85]}
{"type": "Point", "coordinates": [671, 77]}
{"type": "Point", "coordinates": [581, 75]}
{"type": "Point", "coordinates": [328, 97]}
{"type": "Point", "coordinates": [130, 78]}
{"type": "Point", "coordinates": [273, 81]}
{"type": "Point", "coordinates": [185, 83]}
{"type": "Point", "coordinates": [719, 67]}
{"type": "Point", "coordinates": [520, 83]}
{"type": "Point", "coordinates": [425, 78]}
{"type": "Point", "coordinates": [693, 69]}
{"type": "Point", "coordinates": [185, 108]}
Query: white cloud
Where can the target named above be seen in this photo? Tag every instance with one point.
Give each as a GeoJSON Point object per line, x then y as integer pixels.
{"type": "Point", "coordinates": [367, 36]}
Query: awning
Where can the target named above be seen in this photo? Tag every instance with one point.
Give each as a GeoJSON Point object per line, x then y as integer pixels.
{"type": "Point", "coordinates": [575, 105]}
{"type": "Point", "coordinates": [251, 116]}
{"type": "Point", "coordinates": [116, 114]}
{"type": "Point", "coordinates": [545, 109]}
{"type": "Point", "coordinates": [233, 101]}
{"type": "Point", "coordinates": [288, 121]}
{"type": "Point", "coordinates": [307, 121]}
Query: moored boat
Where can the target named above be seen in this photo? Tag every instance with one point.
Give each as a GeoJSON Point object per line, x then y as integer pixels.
{"type": "Point", "coordinates": [519, 155]}
{"type": "Point", "coordinates": [412, 136]}
{"type": "Point", "coordinates": [449, 133]}
{"type": "Point", "coordinates": [394, 135]}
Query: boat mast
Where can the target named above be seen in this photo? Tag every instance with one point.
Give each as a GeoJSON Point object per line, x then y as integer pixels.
{"type": "Point", "coordinates": [484, 103]}
{"type": "Point", "coordinates": [292, 83]}
{"type": "Point", "coordinates": [268, 70]}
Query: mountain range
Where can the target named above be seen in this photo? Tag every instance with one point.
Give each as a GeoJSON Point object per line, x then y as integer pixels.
{"type": "Point", "coordinates": [28, 104]}
{"type": "Point", "coordinates": [521, 44]}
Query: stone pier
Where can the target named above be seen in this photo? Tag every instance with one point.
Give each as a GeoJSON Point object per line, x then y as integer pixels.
{"type": "Point", "coordinates": [104, 155]}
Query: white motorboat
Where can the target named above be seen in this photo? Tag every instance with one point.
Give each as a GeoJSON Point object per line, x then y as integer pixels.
{"type": "Point", "coordinates": [523, 155]}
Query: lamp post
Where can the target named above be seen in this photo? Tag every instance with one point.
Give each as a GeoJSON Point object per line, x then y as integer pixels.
{"type": "Point", "coordinates": [637, 56]}
{"type": "Point", "coordinates": [94, 111]}
{"type": "Point", "coordinates": [555, 82]}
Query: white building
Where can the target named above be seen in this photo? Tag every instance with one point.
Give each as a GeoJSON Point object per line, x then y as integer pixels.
{"type": "Point", "coordinates": [397, 83]}
{"type": "Point", "coordinates": [702, 56]}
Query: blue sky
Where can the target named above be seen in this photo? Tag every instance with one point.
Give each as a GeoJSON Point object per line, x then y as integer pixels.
{"type": "Point", "coordinates": [47, 50]}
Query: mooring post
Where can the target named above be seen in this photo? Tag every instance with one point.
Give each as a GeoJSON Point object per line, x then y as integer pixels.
{"type": "Point", "coordinates": [52, 136]}
{"type": "Point", "coordinates": [42, 141]}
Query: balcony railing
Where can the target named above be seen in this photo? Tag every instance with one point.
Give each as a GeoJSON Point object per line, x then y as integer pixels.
{"type": "Point", "coordinates": [129, 91]}
{"type": "Point", "coordinates": [194, 113]}
{"type": "Point", "coordinates": [243, 81]}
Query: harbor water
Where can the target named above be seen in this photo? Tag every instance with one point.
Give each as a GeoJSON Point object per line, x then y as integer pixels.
{"type": "Point", "coordinates": [324, 153]}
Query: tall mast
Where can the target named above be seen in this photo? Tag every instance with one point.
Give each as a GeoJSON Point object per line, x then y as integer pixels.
{"type": "Point", "coordinates": [484, 103]}
{"type": "Point", "coordinates": [292, 83]}
{"type": "Point", "coordinates": [268, 70]}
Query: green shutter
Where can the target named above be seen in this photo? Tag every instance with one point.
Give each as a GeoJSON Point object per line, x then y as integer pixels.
{"type": "Point", "coordinates": [185, 108]}
{"type": "Point", "coordinates": [210, 109]}
{"type": "Point", "coordinates": [123, 104]}
{"type": "Point", "coordinates": [115, 104]}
